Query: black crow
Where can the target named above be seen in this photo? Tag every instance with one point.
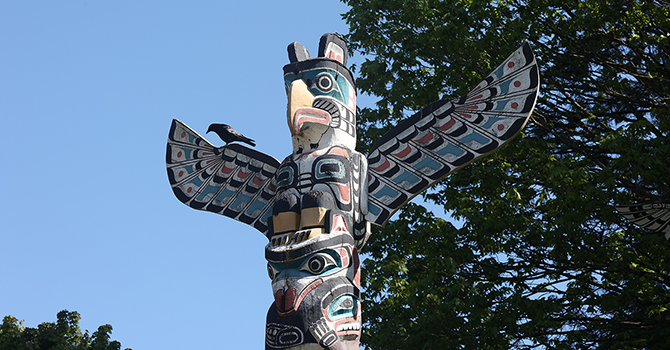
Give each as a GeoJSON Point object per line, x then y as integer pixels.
{"type": "Point", "coordinates": [228, 134]}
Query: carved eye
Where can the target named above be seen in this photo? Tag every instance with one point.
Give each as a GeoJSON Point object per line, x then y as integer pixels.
{"type": "Point", "coordinates": [344, 304]}
{"type": "Point", "coordinates": [317, 264]}
{"type": "Point", "coordinates": [324, 82]}
{"type": "Point", "coordinates": [343, 307]}
{"type": "Point", "coordinates": [272, 272]}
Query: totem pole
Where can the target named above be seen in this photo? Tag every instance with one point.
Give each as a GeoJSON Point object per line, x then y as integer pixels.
{"type": "Point", "coordinates": [654, 216]}
{"type": "Point", "coordinates": [316, 206]}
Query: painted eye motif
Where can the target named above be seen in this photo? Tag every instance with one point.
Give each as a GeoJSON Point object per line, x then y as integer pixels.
{"type": "Point", "coordinates": [318, 263]}
{"type": "Point", "coordinates": [324, 82]}
{"type": "Point", "coordinates": [272, 272]}
{"type": "Point", "coordinates": [344, 306]}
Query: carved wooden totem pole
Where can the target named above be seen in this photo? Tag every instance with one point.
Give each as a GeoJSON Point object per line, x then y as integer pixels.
{"type": "Point", "coordinates": [654, 216]}
{"type": "Point", "coordinates": [315, 207]}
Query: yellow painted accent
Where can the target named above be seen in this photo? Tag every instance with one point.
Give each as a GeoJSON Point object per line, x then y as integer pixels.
{"type": "Point", "coordinates": [305, 235]}
{"type": "Point", "coordinates": [313, 217]}
{"type": "Point", "coordinates": [298, 96]}
{"type": "Point", "coordinates": [287, 221]}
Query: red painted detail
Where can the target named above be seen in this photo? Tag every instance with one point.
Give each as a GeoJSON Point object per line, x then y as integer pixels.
{"type": "Point", "coordinates": [510, 64]}
{"type": "Point", "coordinates": [429, 136]}
{"type": "Point", "coordinates": [339, 225]}
{"type": "Point", "coordinates": [517, 83]}
{"type": "Point", "coordinates": [404, 152]}
{"type": "Point", "coordinates": [290, 297]}
{"type": "Point", "coordinates": [475, 90]}
{"type": "Point", "coordinates": [300, 156]}
{"type": "Point", "coordinates": [258, 181]}
{"type": "Point", "coordinates": [189, 190]}
{"type": "Point", "coordinates": [281, 299]}
{"type": "Point", "coordinates": [448, 125]}
{"type": "Point", "coordinates": [476, 97]}
{"type": "Point", "coordinates": [344, 255]}
{"type": "Point", "coordinates": [181, 173]}
{"type": "Point", "coordinates": [344, 193]}
{"type": "Point", "coordinates": [515, 105]}
{"type": "Point", "coordinates": [183, 134]}
{"type": "Point", "coordinates": [464, 115]}
{"type": "Point", "coordinates": [470, 107]}
{"type": "Point", "coordinates": [382, 167]}
{"type": "Point", "coordinates": [211, 160]}
{"type": "Point", "coordinates": [226, 170]}
{"type": "Point", "coordinates": [213, 168]}
{"type": "Point", "coordinates": [501, 127]}
{"type": "Point", "coordinates": [339, 151]}
{"type": "Point", "coordinates": [179, 154]}
{"type": "Point", "coordinates": [207, 153]}
{"type": "Point", "coordinates": [242, 175]}
{"type": "Point", "coordinates": [357, 269]}
{"type": "Point", "coordinates": [310, 115]}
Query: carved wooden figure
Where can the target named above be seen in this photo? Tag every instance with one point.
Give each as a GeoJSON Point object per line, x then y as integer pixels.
{"type": "Point", "coordinates": [315, 207]}
{"type": "Point", "coordinates": [653, 216]}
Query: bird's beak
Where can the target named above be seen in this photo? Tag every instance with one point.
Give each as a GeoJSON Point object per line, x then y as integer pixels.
{"type": "Point", "coordinates": [298, 96]}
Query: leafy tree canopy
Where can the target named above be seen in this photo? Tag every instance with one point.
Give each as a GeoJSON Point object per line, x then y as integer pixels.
{"type": "Point", "coordinates": [543, 259]}
{"type": "Point", "coordinates": [65, 334]}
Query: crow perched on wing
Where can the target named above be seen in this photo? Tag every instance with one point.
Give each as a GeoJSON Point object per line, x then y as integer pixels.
{"type": "Point", "coordinates": [228, 134]}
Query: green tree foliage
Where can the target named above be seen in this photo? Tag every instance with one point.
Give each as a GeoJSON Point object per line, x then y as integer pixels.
{"type": "Point", "coordinates": [542, 260]}
{"type": "Point", "coordinates": [65, 334]}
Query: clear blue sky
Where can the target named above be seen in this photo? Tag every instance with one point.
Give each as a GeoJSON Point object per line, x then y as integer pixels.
{"type": "Point", "coordinates": [88, 89]}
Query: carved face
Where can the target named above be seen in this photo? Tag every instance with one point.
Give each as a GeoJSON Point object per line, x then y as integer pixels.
{"type": "Point", "coordinates": [321, 109]}
{"type": "Point", "coordinates": [316, 288]}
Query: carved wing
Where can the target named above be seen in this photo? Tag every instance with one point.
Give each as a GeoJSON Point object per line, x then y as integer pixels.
{"type": "Point", "coordinates": [447, 135]}
{"type": "Point", "coordinates": [652, 216]}
{"type": "Point", "coordinates": [233, 180]}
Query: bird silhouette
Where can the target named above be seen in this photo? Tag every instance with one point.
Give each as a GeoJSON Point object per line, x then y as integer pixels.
{"type": "Point", "coordinates": [228, 134]}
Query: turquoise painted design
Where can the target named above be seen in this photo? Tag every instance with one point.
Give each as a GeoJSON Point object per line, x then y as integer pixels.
{"type": "Point", "coordinates": [374, 209]}
{"type": "Point", "coordinates": [386, 191]}
{"type": "Point", "coordinates": [197, 181]}
{"type": "Point", "coordinates": [321, 174]}
{"type": "Point", "coordinates": [208, 190]}
{"type": "Point", "coordinates": [499, 72]}
{"type": "Point", "coordinates": [343, 307]}
{"type": "Point", "coordinates": [428, 162]}
{"type": "Point", "coordinates": [224, 196]}
{"type": "Point", "coordinates": [300, 268]}
{"type": "Point", "coordinates": [450, 149]}
{"type": "Point", "coordinates": [406, 176]}
{"type": "Point", "coordinates": [489, 103]}
{"type": "Point", "coordinates": [504, 87]}
{"type": "Point", "coordinates": [255, 205]}
{"type": "Point", "coordinates": [500, 105]}
{"type": "Point", "coordinates": [285, 177]}
{"type": "Point", "coordinates": [341, 87]}
{"type": "Point", "coordinates": [240, 201]}
{"type": "Point", "coordinates": [492, 120]}
{"type": "Point", "coordinates": [475, 136]}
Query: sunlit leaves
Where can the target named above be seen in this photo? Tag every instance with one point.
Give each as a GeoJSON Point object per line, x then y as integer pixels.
{"type": "Point", "coordinates": [543, 260]}
{"type": "Point", "coordinates": [65, 334]}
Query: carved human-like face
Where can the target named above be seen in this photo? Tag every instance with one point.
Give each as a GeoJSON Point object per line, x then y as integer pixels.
{"type": "Point", "coordinates": [316, 288]}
